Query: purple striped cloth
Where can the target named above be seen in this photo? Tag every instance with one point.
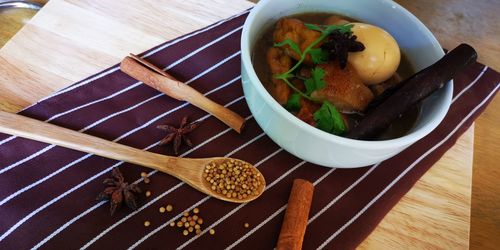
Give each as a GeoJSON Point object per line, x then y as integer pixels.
{"type": "Point", "coordinates": [47, 193]}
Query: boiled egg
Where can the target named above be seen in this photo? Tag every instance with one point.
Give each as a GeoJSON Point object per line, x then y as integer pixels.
{"type": "Point", "coordinates": [381, 56]}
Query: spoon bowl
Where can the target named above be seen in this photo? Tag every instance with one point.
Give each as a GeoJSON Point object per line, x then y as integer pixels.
{"type": "Point", "coordinates": [188, 170]}
{"type": "Point", "coordinates": [191, 170]}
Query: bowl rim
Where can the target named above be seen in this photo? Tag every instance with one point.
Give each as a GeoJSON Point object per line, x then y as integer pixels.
{"type": "Point", "coordinates": [413, 136]}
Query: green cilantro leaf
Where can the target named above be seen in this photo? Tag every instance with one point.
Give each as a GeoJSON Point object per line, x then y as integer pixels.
{"type": "Point", "coordinates": [290, 43]}
{"type": "Point", "coordinates": [328, 29]}
{"type": "Point", "coordinates": [345, 28]}
{"type": "Point", "coordinates": [318, 55]}
{"type": "Point", "coordinates": [293, 103]}
{"type": "Point", "coordinates": [316, 82]}
{"type": "Point", "coordinates": [329, 119]}
{"type": "Point", "coordinates": [313, 27]}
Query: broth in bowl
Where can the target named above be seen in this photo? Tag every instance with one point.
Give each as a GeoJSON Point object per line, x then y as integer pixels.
{"type": "Point", "coordinates": [329, 71]}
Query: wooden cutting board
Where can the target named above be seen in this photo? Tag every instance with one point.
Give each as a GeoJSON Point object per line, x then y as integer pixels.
{"type": "Point", "coordinates": [69, 40]}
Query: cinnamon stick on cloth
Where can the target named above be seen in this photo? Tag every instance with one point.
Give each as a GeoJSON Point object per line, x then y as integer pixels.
{"type": "Point", "coordinates": [296, 216]}
{"type": "Point", "coordinates": [154, 77]}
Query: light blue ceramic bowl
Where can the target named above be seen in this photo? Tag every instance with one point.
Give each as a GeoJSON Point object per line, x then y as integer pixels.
{"type": "Point", "coordinates": [314, 145]}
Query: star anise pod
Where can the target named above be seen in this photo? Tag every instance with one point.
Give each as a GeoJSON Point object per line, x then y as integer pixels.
{"type": "Point", "coordinates": [339, 44]}
{"type": "Point", "coordinates": [118, 190]}
{"type": "Point", "coordinates": [177, 135]}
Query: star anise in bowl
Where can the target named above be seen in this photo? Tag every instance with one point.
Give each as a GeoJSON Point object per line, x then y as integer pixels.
{"type": "Point", "coordinates": [339, 44]}
{"type": "Point", "coordinates": [118, 190]}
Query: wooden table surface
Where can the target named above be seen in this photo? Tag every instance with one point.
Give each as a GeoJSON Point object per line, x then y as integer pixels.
{"type": "Point", "coordinates": [476, 22]}
{"type": "Point", "coordinates": [435, 213]}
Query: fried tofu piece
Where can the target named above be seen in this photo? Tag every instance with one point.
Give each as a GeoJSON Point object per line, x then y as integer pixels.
{"type": "Point", "coordinates": [279, 63]}
{"type": "Point", "coordinates": [295, 30]}
{"type": "Point", "coordinates": [344, 88]}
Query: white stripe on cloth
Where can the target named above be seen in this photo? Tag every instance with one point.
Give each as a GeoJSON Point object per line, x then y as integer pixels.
{"type": "Point", "coordinates": [117, 139]}
{"type": "Point", "coordinates": [136, 244]}
{"type": "Point", "coordinates": [19, 223]}
{"type": "Point", "coordinates": [161, 94]}
{"type": "Point", "coordinates": [330, 203]}
{"type": "Point", "coordinates": [280, 210]}
{"type": "Point", "coordinates": [408, 169]}
{"type": "Point", "coordinates": [13, 165]}
{"type": "Point", "coordinates": [470, 85]}
{"type": "Point", "coordinates": [67, 224]}
{"type": "Point", "coordinates": [10, 138]}
{"type": "Point", "coordinates": [18, 163]}
{"type": "Point", "coordinates": [133, 85]}
{"type": "Point", "coordinates": [338, 197]}
{"type": "Point", "coordinates": [13, 195]}
{"type": "Point", "coordinates": [227, 215]}
{"type": "Point", "coordinates": [166, 45]}
{"type": "Point", "coordinates": [92, 241]}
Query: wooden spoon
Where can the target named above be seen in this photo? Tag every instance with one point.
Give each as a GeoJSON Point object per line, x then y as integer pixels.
{"type": "Point", "coordinates": [188, 170]}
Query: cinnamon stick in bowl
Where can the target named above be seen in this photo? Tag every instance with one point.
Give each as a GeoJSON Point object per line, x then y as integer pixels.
{"type": "Point", "coordinates": [412, 91]}
{"type": "Point", "coordinates": [294, 225]}
{"type": "Point", "coordinates": [154, 77]}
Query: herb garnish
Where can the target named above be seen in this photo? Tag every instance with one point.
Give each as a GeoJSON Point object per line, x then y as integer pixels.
{"type": "Point", "coordinates": [327, 117]}
{"type": "Point", "coordinates": [293, 103]}
{"type": "Point", "coordinates": [318, 55]}
{"type": "Point", "coordinates": [316, 81]}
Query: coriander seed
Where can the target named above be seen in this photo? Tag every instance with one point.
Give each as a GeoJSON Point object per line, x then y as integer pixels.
{"type": "Point", "coordinates": [196, 210]}
{"type": "Point", "coordinates": [198, 231]}
{"type": "Point", "coordinates": [185, 232]}
{"type": "Point", "coordinates": [169, 208]}
{"type": "Point", "coordinates": [172, 224]}
{"type": "Point", "coordinates": [146, 180]}
{"type": "Point", "coordinates": [233, 179]}
{"type": "Point", "coordinates": [246, 225]}
{"type": "Point", "coordinates": [143, 174]}
{"type": "Point", "coordinates": [148, 193]}
{"type": "Point", "coordinates": [147, 223]}
{"type": "Point", "coordinates": [211, 231]}
{"type": "Point", "coordinates": [162, 210]}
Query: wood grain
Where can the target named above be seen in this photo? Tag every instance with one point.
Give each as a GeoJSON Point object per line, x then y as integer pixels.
{"type": "Point", "coordinates": [188, 170]}
{"type": "Point", "coordinates": [485, 217]}
{"type": "Point", "coordinates": [434, 214]}
{"type": "Point", "coordinates": [167, 84]}
{"type": "Point", "coordinates": [97, 35]}
{"type": "Point", "coordinates": [476, 23]}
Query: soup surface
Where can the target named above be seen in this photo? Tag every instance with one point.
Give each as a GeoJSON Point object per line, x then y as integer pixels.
{"type": "Point", "coordinates": [398, 128]}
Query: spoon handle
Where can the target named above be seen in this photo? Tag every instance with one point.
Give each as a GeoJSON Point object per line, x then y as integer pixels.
{"type": "Point", "coordinates": [45, 132]}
